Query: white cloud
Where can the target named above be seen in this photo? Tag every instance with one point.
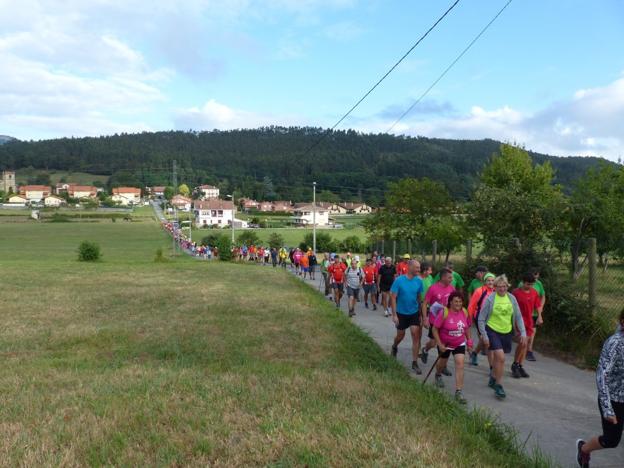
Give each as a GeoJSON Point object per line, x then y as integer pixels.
{"type": "Point", "coordinates": [343, 31]}
{"type": "Point", "coordinates": [215, 115]}
{"type": "Point", "coordinates": [590, 122]}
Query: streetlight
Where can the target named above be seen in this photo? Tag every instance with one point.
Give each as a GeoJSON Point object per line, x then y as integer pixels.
{"type": "Point", "coordinates": [314, 217]}
{"type": "Point", "coordinates": [232, 197]}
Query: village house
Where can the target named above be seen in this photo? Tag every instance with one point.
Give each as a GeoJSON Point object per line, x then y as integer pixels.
{"type": "Point", "coordinates": [81, 191]}
{"type": "Point", "coordinates": [53, 201]}
{"type": "Point", "coordinates": [207, 192]}
{"type": "Point", "coordinates": [282, 206]}
{"type": "Point", "coordinates": [181, 202]}
{"type": "Point", "coordinates": [126, 196]}
{"type": "Point", "coordinates": [213, 212]}
{"type": "Point", "coordinates": [335, 208]}
{"type": "Point", "coordinates": [265, 206]}
{"type": "Point", "coordinates": [35, 193]}
{"type": "Point", "coordinates": [356, 208]}
{"type": "Point", "coordinates": [248, 204]}
{"type": "Point", "coordinates": [304, 216]}
{"type": "Point", "coordinates": [158, 191]}
{"type": "Point", "coordinates": [17, 199]}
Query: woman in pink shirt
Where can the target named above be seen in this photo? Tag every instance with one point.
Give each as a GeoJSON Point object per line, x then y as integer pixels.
{"type": "Point", "coordinates": [451, 330]}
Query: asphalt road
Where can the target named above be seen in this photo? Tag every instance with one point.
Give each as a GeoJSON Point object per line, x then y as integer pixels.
{"type": "Point", "coordinates": [550, 410]}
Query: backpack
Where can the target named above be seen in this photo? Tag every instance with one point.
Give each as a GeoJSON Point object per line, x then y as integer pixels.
{"type": "Point", "coordinates": [446, 312]}
{"type": "Point", "coordinates": [480, 301]}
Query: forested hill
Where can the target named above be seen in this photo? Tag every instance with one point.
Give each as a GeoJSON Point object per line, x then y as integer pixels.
{"type": "Point", "coordinates": [272, 162]}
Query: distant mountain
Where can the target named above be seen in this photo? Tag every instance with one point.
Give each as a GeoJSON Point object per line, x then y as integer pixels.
{"type": "Point", "coordinates": [277, 162]}
{"type": "Point", "coordinates": [5, 139]}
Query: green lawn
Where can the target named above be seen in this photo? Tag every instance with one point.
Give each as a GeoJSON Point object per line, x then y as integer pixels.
{"type": "Point", "coordinates": [135, 363]}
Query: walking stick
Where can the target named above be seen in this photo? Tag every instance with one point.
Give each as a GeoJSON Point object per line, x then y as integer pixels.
{"type": "Point", "coordinates": [434, 364]}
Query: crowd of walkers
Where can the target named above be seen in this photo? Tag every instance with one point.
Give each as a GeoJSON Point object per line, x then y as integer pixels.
{"type": "Point", "coordinates": [407, 292]}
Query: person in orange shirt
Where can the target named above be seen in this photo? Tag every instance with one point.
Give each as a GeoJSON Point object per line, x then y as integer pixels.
{"type": "Point", "coordinates": [304, 262]}
{"type": "Point", "coordinates": [370, 283]}
{"type": "Point", "coordinates": [401, 267]}
{"type": "Point", "coordinates": [474, 307]}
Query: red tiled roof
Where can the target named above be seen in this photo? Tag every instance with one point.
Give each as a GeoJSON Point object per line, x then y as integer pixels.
{"type": "Point", "coordinates": [213, 204]}
{"type": "Point", "coordinates": [120, 190]}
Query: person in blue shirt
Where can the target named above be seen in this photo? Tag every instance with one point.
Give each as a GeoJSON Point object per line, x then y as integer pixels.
{"type": "Point", "coordinates": [406, 295]}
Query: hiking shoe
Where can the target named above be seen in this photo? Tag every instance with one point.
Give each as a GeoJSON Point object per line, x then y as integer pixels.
{"type": "Point", "coordinates": [582, 458]}
{"type": "Point", "coordinates": [447, 372]}
{"type": "Point", "coordinates": [492, 382]}
{"type": "Point", "coordinates": [499, 392]}
{"type": "Point", "coordinates": [522, 372]}
{"type": "Point", "coordinates": [530, 356]}
{"type": "Point", "coordinates": [474, 359]}
{"type": "Point", "coordinates": [374, 306]}
{"type": "Point", "coordinates": [439, 382]}
{"type": "Point", "coordinates": [424, 355]}
{"type": "Point", "coordinates": [459, 397]}
{"type": "Point", "coordinates": [515, 371]}
{"type": "Point", "coordinates": [394, 351]}
{"type": "Point", "coordinates": [386, 313]}
{"type": "Point", "coordinates": [415, 368]}
{"type": "Point", "coordinates": [366, 305]}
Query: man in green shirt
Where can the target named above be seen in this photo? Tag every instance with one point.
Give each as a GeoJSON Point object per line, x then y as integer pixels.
{"type": "Point", "coordinates": [425, 276]}
{"type": "Point", "coordinates": [457, 282]}
{"type": "Point", "coordinates": [477, 281]}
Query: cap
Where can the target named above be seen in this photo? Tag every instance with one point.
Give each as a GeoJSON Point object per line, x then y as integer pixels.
{"type": "Point", "coordinates": [357, 258]}
{"type": "Point", "coordinates": [406, 256]}
{"type": "Point", "coordinates": [489, 275]}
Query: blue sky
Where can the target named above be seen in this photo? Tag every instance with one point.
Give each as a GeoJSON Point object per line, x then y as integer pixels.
{"type": "Point", "coordinates": [548, 74]}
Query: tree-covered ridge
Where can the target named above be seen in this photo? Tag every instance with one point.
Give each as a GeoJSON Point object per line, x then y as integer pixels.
{"type": "Point", "coordinates": [273, 162]}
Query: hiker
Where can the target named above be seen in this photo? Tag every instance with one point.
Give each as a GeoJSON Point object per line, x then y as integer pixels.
{"type": "Point", "coordinates": [312, 262]}
{"type": "Point", "coordinates": [274, 256]}
{"type": "Point", "coordinates": [387, 272]}
{"type": "Point", "coordinates": [324, 273]}
{"type": "Point", "coordinates": [451, 330]}
{"type": "Point", "coordinates": [497, 317]}
{"type": "Point", "coordinates": [336, 272]}
{"type": "Point", "coordinates": [370, 283]}
{"type": "Point", "coordinates": [528, 300]}
{"type": "Point", "coordinates": [304, 263]}
{"type": "Point", "coordinates": [610, 383]}
{"type": "Point", "coordinates": [457, 282]}
{"type": "Point", "coordinates": [353, 279]}
{"type": "Point", "coordinates": [474, 307]}
{"type": "Point", "coordinates": [477, 281]}
{"type": "Point", "coordinates": [402, 266]}
{"type": "Point", "coordinates": [407, 310]}
{"type": "Point", "coordinates": [297, 260]}
{"type": "Point", "coordinates": [537, 314]}
{"type": "Point", "coordinates": [437, 294]}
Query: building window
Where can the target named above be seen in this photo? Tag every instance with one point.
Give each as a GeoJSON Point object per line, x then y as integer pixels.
{"type": "Point", "coordinates": [220, 214]}
{"type": "Point", "coordinates": [213, 213]}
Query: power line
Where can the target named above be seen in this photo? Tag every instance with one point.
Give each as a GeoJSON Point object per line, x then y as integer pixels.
{"type": "Point", "coordinates": [409, 109]}
{"type": "Point", "coordinates": [315, 144]}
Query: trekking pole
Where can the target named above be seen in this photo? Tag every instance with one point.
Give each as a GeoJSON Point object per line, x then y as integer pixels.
{"type": "Point", "coordinates": [434, 364]}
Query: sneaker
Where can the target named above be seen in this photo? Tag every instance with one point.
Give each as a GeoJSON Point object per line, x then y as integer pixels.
{"type": "Point", "coordinates": [530, 356]}
{"type": "Point", "coordinates": [374, 306]}
{"type": "Point", "coordinates": [459, 397]}
{"type": "Point", "coordinates": [447, 372]}
{"type": "Point", "coordinates": [366, 305]}
{"type": "Point", "coordinates": [415, 368]}
{"type": "Point", "coordinates": [386, 313]}
{"type": "Point", "coordinates": [424, 355]}
{"type": "Point", "coordinates": [474, 359]}
{"type": "Point", "coordinates": [438, 381]}
{"type": "Point", "coordinates": [582, 458]}
{"type": "Point", "coordinates": [394, 351]}
{"type": "Point", "coordinates": [499, 392]}
{"type": "Point", "coordinates": [515, 371]}
{"type": "Point", "coordinates": [492, 382]}
{"type": "Point", "coordinates": [522, 372]}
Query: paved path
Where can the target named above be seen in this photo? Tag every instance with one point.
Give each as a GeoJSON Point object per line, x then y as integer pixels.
{"type": "Point", "coordinates": [551, 409]}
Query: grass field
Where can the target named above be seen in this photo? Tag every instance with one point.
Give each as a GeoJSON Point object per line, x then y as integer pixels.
{"type": "Point", "coordinates": [131, 362]}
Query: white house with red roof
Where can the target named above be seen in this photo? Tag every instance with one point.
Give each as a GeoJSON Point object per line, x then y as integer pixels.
{"type": "Point", "coordinates": [126, 196]}
{"type": "Point", "coordinates": [35, 193]}
{"type": "Point", "coordinates": [207, 192]}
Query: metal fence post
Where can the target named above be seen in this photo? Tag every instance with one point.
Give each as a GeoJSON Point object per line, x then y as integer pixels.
{"type": "Point", "coordinates": [383, 246]}
{"type": "Point", "coordinates": [393, 250]}
{"type": "Point", "coordinates": [434, 252]}
{"type": "Point", "coordinates": [592, 259]}
{"type": "Point", "coordinates": [468, 252]}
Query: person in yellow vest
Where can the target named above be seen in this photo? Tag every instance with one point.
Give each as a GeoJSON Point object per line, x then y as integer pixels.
{"type": "Point", "coordinates": [499, 313]}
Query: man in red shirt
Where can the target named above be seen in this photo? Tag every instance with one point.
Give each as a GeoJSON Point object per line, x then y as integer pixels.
{"type": "Point", "coordinates": [401, 268]}
{"type": "Point", "coordinates": [336, 277]}
{"type": "Point", "coordinates": [529, 301]}
{"type": "Point", "coordinates": [370, 283]}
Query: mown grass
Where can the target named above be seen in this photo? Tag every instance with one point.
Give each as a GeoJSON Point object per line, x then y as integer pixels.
{"type": "Point", "coordinates": [131, 362]}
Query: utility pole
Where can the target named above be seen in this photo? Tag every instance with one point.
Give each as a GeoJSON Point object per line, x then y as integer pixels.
{"type": "Point", "coordinates": [314, 217]}
{"type": "Point", "coordinates": [174, 178]}
{"type": "Point", "coordinates": [174, 181]}
{"type": "Point", "coordinates": [232, 197]}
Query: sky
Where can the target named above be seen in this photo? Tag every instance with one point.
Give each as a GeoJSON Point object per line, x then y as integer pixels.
{"type": "Point", "coordinates": [548, 74]}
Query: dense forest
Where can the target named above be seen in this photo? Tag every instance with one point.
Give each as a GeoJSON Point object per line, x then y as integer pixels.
{"type": "Point", "coordinates": [276, 162]}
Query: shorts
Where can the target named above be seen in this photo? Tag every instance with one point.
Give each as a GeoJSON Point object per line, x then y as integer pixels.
{"type": "Point", "coordinates": [529, 324]}
{"type": "Point", "coordinates": [408, 320]}
{"type": "Point", "coordinates": [353, 292]}
{"type": "Point", "coordinates": [338, 286]}
{"type": "Point", "coordinates": [499, 340]}
{"type": "Point", "coordinates": [370, 288]}
{"type": "Point", "coordinates": [305, 269]}
{"type": "Point", "coordinates": [459, 350]}
{"type": "Point", "coordinates": [612, 433]}
{"type": "Point", "coordinates": [385, 287]}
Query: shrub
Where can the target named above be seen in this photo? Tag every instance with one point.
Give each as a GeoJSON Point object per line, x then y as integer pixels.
{"type": "Point", "coordinates": [211, 239]}
{"type": "Point", "coordinates": [352, 244]}
{"type": "Point", "coordinates": [247, 238]}
{"type": "Point", "coordinates": [59, 218]}
{"type": "Point", "coordinates": [324, 242]}
{"type": "Point", "coordinates": [89, 252]}
{"type": "Point", "coordinates": [159, 257]}
{"type": "Point", "coordinates": [224, 244]}
{"type": "Point", "coordinates": [276, 241]}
